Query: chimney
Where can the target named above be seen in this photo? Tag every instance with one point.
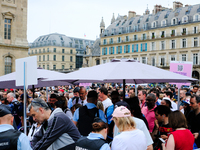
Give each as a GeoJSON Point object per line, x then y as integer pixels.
{"type": "Point", "coordinates": [131, 14]}
{"type": "Point", "coordinates": [177, 5]}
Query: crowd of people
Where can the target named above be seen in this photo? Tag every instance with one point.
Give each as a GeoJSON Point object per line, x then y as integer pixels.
{"type": "Point", "coordinates": [98, 118]}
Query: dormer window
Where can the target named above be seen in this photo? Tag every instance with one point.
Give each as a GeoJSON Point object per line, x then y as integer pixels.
{"type": "Point", "coordinates": [184, 19]}
{"type": "Point", "coordinates": [118, 23]}
{"type": "Point", "coordinates": [173, 21]}
{"type": "Point", "coordinates": [154, 24]}
{"type": "Point", "coordinates": [123, 22]}
{"type": "Point", "coordinates": [120, 30]}
{"type": "Point", "coordinates": [163, 23]}
{"type": "Point", "coordinates": [113, 31]}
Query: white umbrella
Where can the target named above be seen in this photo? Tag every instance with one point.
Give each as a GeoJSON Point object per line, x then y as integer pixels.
{"type": "Point", "coordinates": [8, 81]}
{"type": "Point", "coordinates": [119, 70]}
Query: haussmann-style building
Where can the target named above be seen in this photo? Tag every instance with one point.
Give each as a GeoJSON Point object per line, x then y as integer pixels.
{"type": "Point", "coordinates": [156, 39]}
{"type": "Point", "coordinates": [59, 52]}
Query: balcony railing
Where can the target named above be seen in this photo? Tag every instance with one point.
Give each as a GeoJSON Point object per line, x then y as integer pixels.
{"type": "Point", "coordinates": [149, 27]}
{"type": "Point", "coordinates": [177, 34]}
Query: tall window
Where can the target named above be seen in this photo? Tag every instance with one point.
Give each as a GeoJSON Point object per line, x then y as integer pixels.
{"type": "Point", "coordinates": [195, 59]}
{"type": "Point", "coordinates": [39, 50]}
{"type": "Point", "coordinates": [43, 57]}
{"type": "Point", "coordinates": [7, 29]}
{"type": "Point", "coordinates": [127, 38]}
{"type": "Point", "coordinates": [8, 65]}
{"type": "Point", "coordinates": [39, 58]}
{"type": "Point", "coordinates": [63, 50]}
{"type": "Point", "coordinates": [162, 61]}
{"type": "Point", "coordinates": [63, 67]}
{"type": "Point", "coordinates": [71, 58]}
{"type": "Point", "coordinates": [47, 57]}
{"type": "Point", "coordinates": [135, 37]}
{"type": "Point", "coordinates": [111, 41]}
{"type": "Point", "coordinates": [183, 57]}
{"type": "Point", "coordinates": [119, 39]}
{"type": "Point", "coordinates": [153, 45]}
{"type": "Point", "coordinates": [144, 61]}
{"type": "Point", "coordinates": [195, 41]}
{"type": "Point", "coordinates": [71, 51]}
{"type": "Point", "coordinates": [153, 61]}
{"type": "Point", "coordinates": [104, 41]}
{"type": "Point", "coordinates": [195, 29]}
{"type": "Point", "coordinates": [97, 62]}
{"type": "Point", "coordinates": [54, 50]}
{"type": "Point", "coordinates": [36, 51]}
{"type": "Point", "coordinates": [54, 57]}
{"type": "Point", "coordinates": [54, 67]}
{"type": "Point", "coordinates": [173, 58]}
{"type": "Point", "coordinates": [47, 49]}
{"type": "Point", "coordinates": [126, 49]}
{"type": "Point", "coordinates": [47, 67]}
{"type": "Point", "coordinates": [63, 58]}
{"type": "Point", "coordinates": [173, 44]}
{"type": "Point", "coordinates": [43, 67]}
{"type": "Point", "coordinates": [43, 50]}
{"type": "Point", "coordinates": [162, 45]}
{"type": "Point", "coordinates": [183, 43]}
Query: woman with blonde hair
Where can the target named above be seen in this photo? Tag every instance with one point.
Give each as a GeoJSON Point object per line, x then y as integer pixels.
{"type": "Point", "coordinates": [130, 138]}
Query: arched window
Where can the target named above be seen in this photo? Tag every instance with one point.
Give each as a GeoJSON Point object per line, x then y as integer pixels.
{"type": "Point", "coordinates": [8, 65]}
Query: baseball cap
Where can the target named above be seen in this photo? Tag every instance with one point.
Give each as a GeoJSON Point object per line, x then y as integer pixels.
{"type": "Point", "coordinates": [4, 110]}
{"type": "Point", "coordinates": [122, 103]}
{"type": "Point", "coordinates": [121, 111]}
{"type": "Point", "coordinates": [187, 101]}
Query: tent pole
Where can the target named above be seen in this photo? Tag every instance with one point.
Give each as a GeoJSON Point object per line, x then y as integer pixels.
{"type": "Point", "coordinates": [124, 89]}
{"type": "Point", "coordinates": [33, 88]}
{"type": "Point", "coordinates": [178, 99]}
{"type": "Point", "coordinates": [135, 89]}
{"type": "Point", "coordinates": [47, 93]}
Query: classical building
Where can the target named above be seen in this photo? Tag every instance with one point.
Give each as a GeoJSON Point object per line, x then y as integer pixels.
{"type": "Point", "coordinates": [155, 39]}
{"type": "Point", "coordinates": [59, 52]}
{"type": "Point", "coordinates": [13, 33]}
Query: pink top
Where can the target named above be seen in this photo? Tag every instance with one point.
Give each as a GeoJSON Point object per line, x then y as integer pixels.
{"type": "Point", "coordinates": [150, 116]}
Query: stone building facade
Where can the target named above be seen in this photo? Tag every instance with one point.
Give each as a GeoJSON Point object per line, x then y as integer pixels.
{"type": "Point", "coordinates": [13, 33]}
{"type": "Point", "coordinates": [155, 39]}
{"type": "Point", "coordinates": [59, 52]}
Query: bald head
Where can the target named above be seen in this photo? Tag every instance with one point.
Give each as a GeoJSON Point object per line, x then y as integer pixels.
{"type": "Point", "coordinates": [7, 119]}
{"type": "Point", "coordinates": [10, 97]}
{"type": "Point", "coordinates": [82, 93]}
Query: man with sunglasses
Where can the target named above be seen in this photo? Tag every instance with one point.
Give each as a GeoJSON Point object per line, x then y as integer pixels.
{"type": "Point", "coordinates": [148, 110]}
{"type": "Point", "coordinates": [57, 131]}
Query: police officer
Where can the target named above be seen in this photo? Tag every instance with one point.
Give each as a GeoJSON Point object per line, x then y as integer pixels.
{"type": "Point", "coordinates": [96, 139]}
{"type": "Point", "coordinates": [11, 139]}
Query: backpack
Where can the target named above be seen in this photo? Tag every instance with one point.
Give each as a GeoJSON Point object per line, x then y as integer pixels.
{"type": "Point", "coordinates": [16, 112]}
{"type": "Point", "coordinates": [75, 98]}
{"type": "Point", "coordinates": [86, 118]}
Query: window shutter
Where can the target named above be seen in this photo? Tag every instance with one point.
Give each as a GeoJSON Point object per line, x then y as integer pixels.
{"type": "Point", "coordinates": [128, 48]}
{"type": "Point", "coordinates": [145, 46]}
{"type": "Point", "coordinates": [102, 51]}
{"type": "Point", "coordinates": [124, 49]}
{"type": "Point", "coordinates": [109, 50]}
{"type": "Point", "coordinates": [133, 48]}
{"type": "Point", "coordinates": [113, 50]}
{"type": "Point", "coordinates": [141, 47]}
{"type": "Point", "coordinates": [106, 50]}
{"type": "Point", "coordinates": [120, 49]}
{"type": "Point", "coordinates": [117, 50]}
{"type": "Point", "coordinates": [137, 48]}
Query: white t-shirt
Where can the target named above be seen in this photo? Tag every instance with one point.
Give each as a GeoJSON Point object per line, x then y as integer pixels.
{"type": "Point", "coordinates": [130, 140]}
{"type": "Point", "coordinates": [174, 105]}
{"type": "Point", "coordinates": [141, 126]}
{"type": "Point", "coordinates": [106, 103]}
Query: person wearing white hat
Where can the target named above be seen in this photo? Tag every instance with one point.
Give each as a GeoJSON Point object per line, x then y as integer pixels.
{"type": "Point", "coordinates": [130, 137]}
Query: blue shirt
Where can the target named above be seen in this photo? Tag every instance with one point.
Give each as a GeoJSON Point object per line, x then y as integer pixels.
{"type": "Point", "coordinates": [94, 136]}
{"type": "Point", "coordinates": [70, 103]}
{"type": "Point", "coordinates": [89, 106]}
{"type": "Point", "coordinates": [23, 143]}
{"type": "Point", "coordinates": [109, 113]}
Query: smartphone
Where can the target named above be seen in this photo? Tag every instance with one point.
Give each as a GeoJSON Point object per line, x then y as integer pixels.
{"type": "Point", "coordinates": [163, 141]}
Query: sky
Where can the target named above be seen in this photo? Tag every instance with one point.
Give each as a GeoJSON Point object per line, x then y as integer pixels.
{"type": "Point", "coordinates": [77, 18]}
